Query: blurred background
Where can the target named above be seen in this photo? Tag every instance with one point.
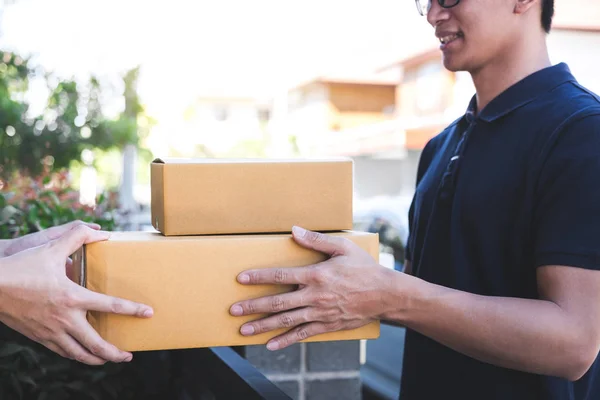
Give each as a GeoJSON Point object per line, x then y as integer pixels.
{"type": "Point", "coordinates": [91, 91]}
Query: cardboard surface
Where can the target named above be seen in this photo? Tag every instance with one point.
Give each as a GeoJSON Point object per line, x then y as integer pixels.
{"type": "Point", "coordinates": [223, 196]}
{"type": "Point", "coordinates": [191, 283]}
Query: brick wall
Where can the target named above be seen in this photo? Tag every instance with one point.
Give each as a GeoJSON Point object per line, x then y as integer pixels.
{"type": "Point", "coordinates": [312, 371]}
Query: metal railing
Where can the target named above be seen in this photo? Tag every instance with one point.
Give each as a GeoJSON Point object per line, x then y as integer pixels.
{"type": "Point", "coordinates": [221, 373]}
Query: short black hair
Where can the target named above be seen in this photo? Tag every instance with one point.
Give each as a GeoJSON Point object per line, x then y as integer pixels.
{"type": "Point", "coordinates": [547, 14]}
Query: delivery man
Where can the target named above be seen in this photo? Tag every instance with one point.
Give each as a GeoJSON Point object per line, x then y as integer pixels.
{"type": "Point", "coordinates": [503, 301]}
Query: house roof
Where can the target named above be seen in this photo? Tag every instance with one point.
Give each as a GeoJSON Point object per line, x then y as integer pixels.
{"type": "Point", "coordinates": [373, 79]}
{"type": "Point", "coordinates": [428, 54]}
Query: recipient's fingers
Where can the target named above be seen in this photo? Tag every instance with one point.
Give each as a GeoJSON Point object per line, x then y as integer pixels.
{"type": "Point", "coordinates": [94, 301]}
{"type": "Point", "coordinates": [76, 351]}
{"type": "Point", "coordinates": [72, 240]}
{"type": "Point", "coordinates": [57, 231]}
{"type": "Point", "coordinates": [69, 268]}
{"type": "Point", "coordinates": [94, 344]}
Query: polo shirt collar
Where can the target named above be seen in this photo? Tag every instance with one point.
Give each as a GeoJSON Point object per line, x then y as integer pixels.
{"type": "Point", "coordinates": [521, 93]}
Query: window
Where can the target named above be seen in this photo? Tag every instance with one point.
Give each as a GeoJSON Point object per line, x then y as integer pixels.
{"type": "Point", "coordinates": [430, 86]}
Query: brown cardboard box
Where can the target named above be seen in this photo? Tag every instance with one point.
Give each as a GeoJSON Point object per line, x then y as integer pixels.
{"type": "Point", "coordinates": [220, 196]}
{"type": "Point", "coordinates": [190, 281]}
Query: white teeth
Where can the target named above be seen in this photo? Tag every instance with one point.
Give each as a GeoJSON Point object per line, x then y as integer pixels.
{"type": "Point", "coordinates": [449, 38]}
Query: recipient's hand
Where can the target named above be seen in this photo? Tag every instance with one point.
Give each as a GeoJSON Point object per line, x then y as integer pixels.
{"type": "Point", "coordinates": [38, 300]}
{"type": "Point", "coordinates": [344, 292]}
{"type": "Point", "coordinates": [42, 237]}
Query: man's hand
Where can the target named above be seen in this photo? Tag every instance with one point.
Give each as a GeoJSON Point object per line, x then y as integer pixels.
{"type": "Point", "coordinates": [38, 300]}
{"type": "Point", "coordinates": [35, 239]}
{"type": "Point", "coordinates": [341, 293]}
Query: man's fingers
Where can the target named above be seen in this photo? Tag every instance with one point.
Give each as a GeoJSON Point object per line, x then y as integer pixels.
{"type": "Point", "coordinates": [330, 245]}
{"type": "Point", "coordinates": [277, 276]}
{"type": "Point", "coordinates": [93, 301]}
{"type": "Point", "coordinates": [303, 332]}
{"type": "Point", "coordinates": [71, 241]}
{"type": "Point", "coordinates": [94, 344]}
{"type": "Point", "coordinates": [76, 351]}
{"type": "Point", "coordinates": [269, 304]}
{"type": "Point", "coordinates": [298, 334]}
{"type": "Point", "coordinates": [287, 320]}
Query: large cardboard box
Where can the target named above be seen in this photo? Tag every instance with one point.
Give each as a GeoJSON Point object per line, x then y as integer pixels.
{"type": "Point", "coordinates": [190, 281]}
{"type": "Point", "coordinates": [223, 196]}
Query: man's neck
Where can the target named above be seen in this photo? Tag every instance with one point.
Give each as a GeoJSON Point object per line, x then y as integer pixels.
{"type": "Point", "coordinates": [496, 77]}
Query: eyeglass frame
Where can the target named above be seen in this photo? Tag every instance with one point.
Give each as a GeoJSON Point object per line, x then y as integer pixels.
{"type": "Point", "coordinates": [442, 4]}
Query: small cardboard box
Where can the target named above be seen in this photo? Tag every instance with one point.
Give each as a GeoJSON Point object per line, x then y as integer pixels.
{"type": "Point", "coordinates": [223, 196]}
{"type": "Point", "coordinates": [190, 281]}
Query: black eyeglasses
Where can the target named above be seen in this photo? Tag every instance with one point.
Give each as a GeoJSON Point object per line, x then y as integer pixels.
{"type": "Point", "coordinates": [425, 5]}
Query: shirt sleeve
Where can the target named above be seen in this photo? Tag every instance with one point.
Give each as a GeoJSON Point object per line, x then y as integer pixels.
{"type": "Point", "coordinates": [566, 218]}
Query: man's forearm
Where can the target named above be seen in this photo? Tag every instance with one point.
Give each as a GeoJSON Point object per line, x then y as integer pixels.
{"type": "Point", "coordinates": [528, 335]}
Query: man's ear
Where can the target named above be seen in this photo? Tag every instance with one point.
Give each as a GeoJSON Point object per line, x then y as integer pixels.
{"type": "Point", "coordinates": [522, 6]}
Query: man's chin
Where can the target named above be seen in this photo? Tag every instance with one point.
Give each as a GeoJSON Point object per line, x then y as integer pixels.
{"type": "Point", "coordinates": [453, 65]}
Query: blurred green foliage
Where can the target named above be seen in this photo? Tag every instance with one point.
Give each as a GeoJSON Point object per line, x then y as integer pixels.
{"type": "Point", "coordinates": [37, 192]}
{"type": "Point", "coordinates": [31, 204]}
{"type": "Point", "coordinates": [72, 121]}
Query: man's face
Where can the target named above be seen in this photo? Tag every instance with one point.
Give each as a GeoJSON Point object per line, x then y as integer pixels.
{"type": "Point", "coordinates": [474, 33]}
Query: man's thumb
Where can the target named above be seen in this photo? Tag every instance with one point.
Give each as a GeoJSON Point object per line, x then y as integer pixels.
{"type": "Point", "coordinates": [318, 241]}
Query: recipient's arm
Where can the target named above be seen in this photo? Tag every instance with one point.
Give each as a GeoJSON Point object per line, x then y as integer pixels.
{"type": "Point", "coordinates": [3, 245]}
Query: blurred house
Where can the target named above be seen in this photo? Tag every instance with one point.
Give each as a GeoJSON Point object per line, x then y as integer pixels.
{"type": "Point", "coordinates": [384, 119]}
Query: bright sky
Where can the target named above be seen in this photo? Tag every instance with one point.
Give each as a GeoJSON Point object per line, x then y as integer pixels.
{"type": "Point", "coordinates": [227, 46]}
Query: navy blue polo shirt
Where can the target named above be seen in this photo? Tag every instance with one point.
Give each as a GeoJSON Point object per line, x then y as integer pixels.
{"type": "Point", "coordinates": [498, 195]}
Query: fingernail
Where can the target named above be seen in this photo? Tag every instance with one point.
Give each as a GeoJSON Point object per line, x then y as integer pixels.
{"type": "Point", "coordinates": [247, 330]}
{"type": "Point", "coordinates": [300, 232]}
{"type": "Point", "coordinates": [244, 278]}
{"type": "Point", "coordinates": [273, 346]}
{"type": "Point", "coordinates": [128, 358]}
{"type": "Point", "coordinates": [148, 313]}
{"type": "Point", "coordinates": [237, 310]}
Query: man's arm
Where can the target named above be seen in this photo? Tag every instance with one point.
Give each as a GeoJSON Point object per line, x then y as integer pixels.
{"type": "Point", "coordinates": [407, 270]}
{"type": "Point", "coordinates": [558, 335]}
